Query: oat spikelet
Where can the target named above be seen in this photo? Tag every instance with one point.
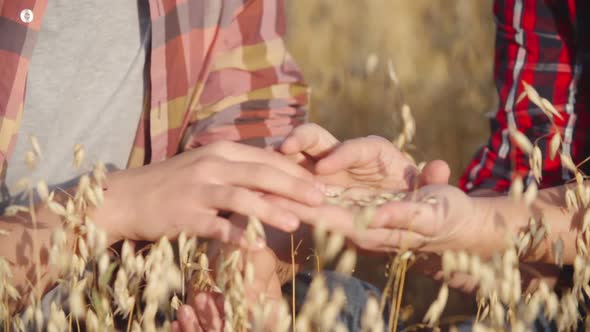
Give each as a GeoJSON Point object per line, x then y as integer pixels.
{"type": "Point", "coordinates": [35, 145]}
{"type": "Point", "coordinates": [544, 104]}
{"type": "Point", "coordinates": [558, 251]}
{"type": "Point", "coordinates": [79, 155]}
{"type": "Point", "coordinates": [516, 188]}
{"type": "Point", "coordinates": [436, 308]}
{"type": "Point", "coordinates": [372, 63]}
{"type": "Point", "coordinates": [371, 320]}
{"type": "Point", "coordinates": [567, 162]}
{"type": "Point", "coordinates": [30, 159]}
{"type": "Point", "coordinates": [536, 163]}
{"type": "Point", "coordinates": [523, 143]}
{"type": "Point", "coordinates": [586, 220]}
{"type": "Point", "coordinates": [549, 109]}
{"type": "Point", "coordinates": [409, 123]}
{"type": "Point", "coordinates": [530, 194]}
{"type": "Point", "coordinates": [347, 262]}
{"type": "Point", "coordinates": [333, 246]}
{"type": "Point", "coordinates": [254, 230]}
{"type": "Point", "coordinates": [391, 72]}
{"type": "Point", "coordinates": [554, 145]}
{"type": "Point", "coordinates": [13, 210]}
{"type": "Point", "coordinates": [42, 190]}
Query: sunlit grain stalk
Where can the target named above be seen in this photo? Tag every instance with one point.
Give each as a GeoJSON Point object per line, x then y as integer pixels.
{"type": "Point", "coordinates": [394, 293]}
{"type": "Point", "coordinates": [35, 245]}
{"type": "Point", "coordinates": [7, 320]}
{"type": "Point", "coordinates": [391, 273]}
{"type": "Point", "coordinates": [316, 260]}
{"type": "Point", "coordinates": [479, 309]}
{"type": "Point", "coordinates": [400, 292]}
{"type": "Point", "coordinates": [130, 321]}
{"type": "Point", "coordinates": [293, 275]}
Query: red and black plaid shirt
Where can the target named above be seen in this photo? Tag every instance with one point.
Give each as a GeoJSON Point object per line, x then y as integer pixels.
{"type": "Point", "coordinates": [545, 43]}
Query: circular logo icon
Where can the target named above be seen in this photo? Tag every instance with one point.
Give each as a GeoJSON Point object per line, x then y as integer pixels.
{"type": "Point", "coordinates": [27, 16]}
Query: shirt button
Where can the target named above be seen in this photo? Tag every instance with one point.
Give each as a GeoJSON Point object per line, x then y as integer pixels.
{"type": "Point", "coordinates": [27, 16]}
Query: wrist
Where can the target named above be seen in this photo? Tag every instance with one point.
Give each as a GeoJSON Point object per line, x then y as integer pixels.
{"type": "Point", "coordinates": [113, 213]}
{"type": "Point", "coordinates": [501, 220]}
{"type": "Point", "coordinates": [488, 233]}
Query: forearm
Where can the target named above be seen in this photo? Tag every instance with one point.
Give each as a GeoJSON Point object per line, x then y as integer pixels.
{"type": "Point", "coordinates": [27, 246]}
{"type": "Point", "coordinates": [504, 217]}
{"type": "Point", "coordinates": [532, 273]}
{"type": "Point", "coordinates": [26, 249]}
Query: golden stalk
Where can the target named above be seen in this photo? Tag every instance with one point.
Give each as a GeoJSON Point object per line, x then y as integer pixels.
{"type": "Point", "coordinates": [293, 281]}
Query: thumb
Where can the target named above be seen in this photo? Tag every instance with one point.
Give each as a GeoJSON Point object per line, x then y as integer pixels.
{"type": "Point", "coordinates": [310, 139]}
{"type": "Point", "coordinates": [434, 172]}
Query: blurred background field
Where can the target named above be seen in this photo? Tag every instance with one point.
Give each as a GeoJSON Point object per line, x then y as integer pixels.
{"type": "Point", "coordinates": [442, 55]}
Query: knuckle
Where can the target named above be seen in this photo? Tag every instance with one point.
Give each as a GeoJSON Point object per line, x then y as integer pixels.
{"type": "Point", "coordinates": [314, 127]}
{"type": "Point", "coordinates": [262, 173]}
{"type": "Point", "coordinates": [220, 147]}
{"type": "Point", "coordinates": [378, 140]}
{"type": "Point", "coordinates": [239, 197]}
{"type": "Point", "coordinates": [206, 165]}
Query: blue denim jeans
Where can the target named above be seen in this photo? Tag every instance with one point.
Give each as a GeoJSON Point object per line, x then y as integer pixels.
{"type": "Point", "coordinates": [357, 293]}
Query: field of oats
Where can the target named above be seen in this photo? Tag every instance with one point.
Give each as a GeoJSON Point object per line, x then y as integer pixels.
{"type": "Point", "coordinates": [365, 61]}
{"type": "Point", "coordinates": [442, 55]}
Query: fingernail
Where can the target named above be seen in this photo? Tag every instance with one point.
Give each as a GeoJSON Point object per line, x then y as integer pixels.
{"type": "Point", "coordinates": [290, 221]}
{"type": "Point", "coordinates": [316, 197]}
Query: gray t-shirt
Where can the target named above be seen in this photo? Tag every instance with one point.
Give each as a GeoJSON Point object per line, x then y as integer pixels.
{"type": "Point", "coordinates": [85, 85]}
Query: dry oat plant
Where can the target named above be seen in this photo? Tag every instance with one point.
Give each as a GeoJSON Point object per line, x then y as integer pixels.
{"type": "Point", "coordinates": [140, 290]}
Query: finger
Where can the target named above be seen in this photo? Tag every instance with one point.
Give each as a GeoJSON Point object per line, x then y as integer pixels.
{"type": "Point", "coordinates": [241, 152]}
{"type": "Point", "coordinates": [434, 172]}
{"type": "Point", "coordinates": [175, 326]}
{"type": "Point", "coordinates": [388, 240]}
{"type": "Point", "coordinates": [414, 216]}
{"type": "Point", "coordinates": [221, 229]}
{"type": "Point", "coordinates": [334, 218]}
{"type": "Point", "coordinates": [311, 139]}
{"type": "Point", "coordinates": [270, 179]}
{"type": "Point", "coordinates": [208, 310]}
{"type": "Point", "coordinates": [188, 320]}
{"type": "Point", "coordinates": [301, 159]}
{"type": "Point", "coordinates": [248, 203]}
{"type": "Point", "coordinates": [359, 152]}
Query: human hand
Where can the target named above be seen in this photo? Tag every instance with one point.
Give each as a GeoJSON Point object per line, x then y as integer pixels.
{"type": "Point", "coordinates": [431, 219]}
{"type": "Point", "coordinates": [368, 161]}
{"type": "Point", "coordinates": [186, 193]}
{"type": "Point", "coordinates": [205, 310]}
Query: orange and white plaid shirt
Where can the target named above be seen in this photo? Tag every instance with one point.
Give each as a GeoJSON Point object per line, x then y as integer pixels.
{"type": "Point", "coordinates": [219, 70]}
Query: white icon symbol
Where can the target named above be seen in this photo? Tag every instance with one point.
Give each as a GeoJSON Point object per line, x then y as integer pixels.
{"type": "Point", "coordinates": [27, 16]}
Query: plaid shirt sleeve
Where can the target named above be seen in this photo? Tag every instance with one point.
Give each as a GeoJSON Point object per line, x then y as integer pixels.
{"type": "Point", "coordinates": [543, 43]}
{"type": "Point", "coordinates": [254, 92]}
